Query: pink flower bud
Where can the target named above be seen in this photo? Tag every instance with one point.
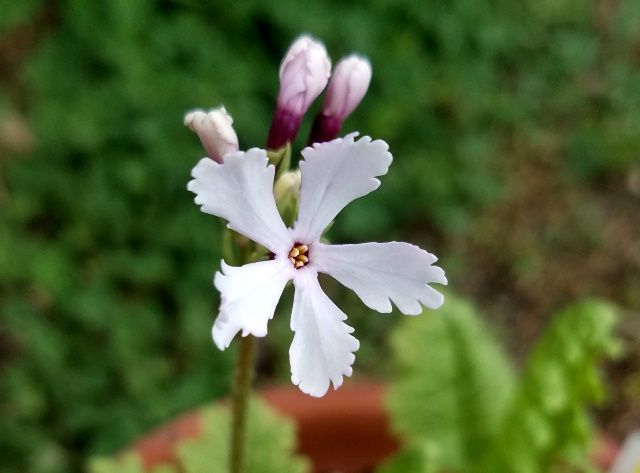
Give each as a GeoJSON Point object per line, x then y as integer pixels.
{"type": "Point", "coordinates": [215, 130]}
{"type": "Point", "coordinates": [347, 87]}
{"type": "Point", "coordinates": [349, 83]}
{"type": "Point", "coordinates": [304, 73]}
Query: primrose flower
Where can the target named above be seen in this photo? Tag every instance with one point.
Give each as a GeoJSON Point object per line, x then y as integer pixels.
{"type": "Point", "coordinates": [215, 130]}
{"type": "Point", "coordinates": [332, 174]}
{"type": "Point", "coordinates": [304, 73]}
{"type": "Point", "coordinates": [347, 87]}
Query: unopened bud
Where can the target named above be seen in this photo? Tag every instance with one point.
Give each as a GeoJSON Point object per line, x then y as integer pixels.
{"type": "Point", "coordinates": [215, 130]}
{"type": "Point", "coordinates": [347, 87]}
{"type": "Point", "coordinates": [304, 73]}
{"type": "Point", "coordinates": [287, 194]}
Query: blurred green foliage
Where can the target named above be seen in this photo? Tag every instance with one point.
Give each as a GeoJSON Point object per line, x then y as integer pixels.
{"type": "Point", "coordinates": [458, 407]}
{"type": "Point", "coordinates": [271, 443]}
{"type": "Point", "coordinates": [453, 384]}
{"type": "Point", "coordinates": [105, 263]}
{"type": "Point", "coordinates": [547, 420]}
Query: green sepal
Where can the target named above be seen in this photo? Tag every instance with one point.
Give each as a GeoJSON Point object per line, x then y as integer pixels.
{"type": "Point", "coordinates": [286, 192]}
{"type": "Point", "coordinates": [237, 249]}
{"type": "Point", "coordinates": [280, 158]}
{"type": "Point", "coordinates": [230, 251]}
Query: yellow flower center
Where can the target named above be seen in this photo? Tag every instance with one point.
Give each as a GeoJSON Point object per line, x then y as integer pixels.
{"type": "Point", "coordinates": [299, 255]}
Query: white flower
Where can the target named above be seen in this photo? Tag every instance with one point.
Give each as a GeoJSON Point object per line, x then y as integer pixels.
{"type": "Point", "coordinates": [215, 130]}
{"type": "Point", "coordinates": [333, 174]}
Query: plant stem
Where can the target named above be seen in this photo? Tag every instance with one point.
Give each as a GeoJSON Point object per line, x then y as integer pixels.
{"type": "Point", "coordinates": [241, 390]}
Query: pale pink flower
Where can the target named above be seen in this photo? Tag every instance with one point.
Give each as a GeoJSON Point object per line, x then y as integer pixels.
{"type": "Point", "coordinates": [333, 174]}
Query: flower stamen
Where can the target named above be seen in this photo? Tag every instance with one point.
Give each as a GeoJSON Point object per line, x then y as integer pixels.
{"type": "Point", "coordinates": [298, 255]}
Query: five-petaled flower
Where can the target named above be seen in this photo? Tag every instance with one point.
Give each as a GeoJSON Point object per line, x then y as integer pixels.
{"type": "Point", "coordinates": [240, 190]}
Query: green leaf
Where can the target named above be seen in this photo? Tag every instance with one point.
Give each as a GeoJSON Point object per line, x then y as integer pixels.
{"type": "Point", "coordinates": [411, 460]}
{"type": "Point", "coordinates": [271, 444]}
{"type": "Point", "coordinates": [547, 420]}
{"type": "Point", "coordinates": [127, 464]}
{"type": "Point", "coordinates": [281, 159]}
{"type": "Point", "coordinates": [451, 386]}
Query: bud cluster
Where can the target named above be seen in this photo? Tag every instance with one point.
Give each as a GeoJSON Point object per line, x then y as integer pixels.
{"type": "Point", "coordinates": [304, 74]}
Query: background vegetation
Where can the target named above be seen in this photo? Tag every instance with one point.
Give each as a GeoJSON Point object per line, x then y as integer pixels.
{"type": "Point", "coordinates": [514, 127]}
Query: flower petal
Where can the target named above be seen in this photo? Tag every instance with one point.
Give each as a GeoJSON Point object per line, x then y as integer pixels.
{"type": "Point", "coordinates": [334, 174]}
{"type": "Point", "coordinates": [322, 347]}
{"type": "Point", "coordinates": [223, 332]}
{"type": "Point", "coordinates": [241, 191]}
{"type": "Point", "coordinates": [381, 273]}
{"type": "Point", "coordinates": [248, 298]}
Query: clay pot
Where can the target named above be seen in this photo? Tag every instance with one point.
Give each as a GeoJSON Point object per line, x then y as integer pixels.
{"type": "Point", "coordinates": [347, 430]}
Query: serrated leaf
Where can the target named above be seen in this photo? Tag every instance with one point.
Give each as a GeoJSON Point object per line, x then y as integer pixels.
{"type": "Point", "coordinates": [271, 444]}
{"type": "Point", "coordinates": [451, 386]}
{"type": "Point", "coordinates": [547, 420]}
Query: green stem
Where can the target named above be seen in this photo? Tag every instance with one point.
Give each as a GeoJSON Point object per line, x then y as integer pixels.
{"type": "Point", "coordinates": [241, 390]}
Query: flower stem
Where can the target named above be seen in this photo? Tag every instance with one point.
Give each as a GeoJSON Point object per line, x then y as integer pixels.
{"type": "Point", "coordinates": [241, 390]}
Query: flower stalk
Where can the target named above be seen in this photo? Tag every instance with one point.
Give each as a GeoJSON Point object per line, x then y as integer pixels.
{"type": "Point", "coordinates": [240, 402]}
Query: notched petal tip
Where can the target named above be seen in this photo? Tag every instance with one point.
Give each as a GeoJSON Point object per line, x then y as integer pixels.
{"type": "Point", "coordinates": [249, 295]}
{"type": "Point", "coordinates": [438, 300]}
{"type": "Point", "coordinates": [313, 391]}
{"type": "Point", "coordinates": [335, 173]}
{"type": "Point", "coordinates": [322, 351]}
{"type": "Point", "coordinates": [438, 275]}
{"type": "Point", "coordinates": [241, 192]}
{"type": "Point", "coordinates": [347, 139]}
{"type": "Point", "coordinates": [223, 332]}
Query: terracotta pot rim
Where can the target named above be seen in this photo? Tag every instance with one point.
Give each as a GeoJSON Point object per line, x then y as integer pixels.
{"type": "Point", "coordinates": [348, 430]}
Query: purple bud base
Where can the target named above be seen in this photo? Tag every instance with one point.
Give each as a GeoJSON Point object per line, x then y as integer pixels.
{"type": "Point", "coordinates": [284, 128]}
{"type": "Point", "coordinates": [325, 128]}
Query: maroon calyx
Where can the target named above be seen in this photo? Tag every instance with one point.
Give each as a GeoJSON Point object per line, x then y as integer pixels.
{"type": "Point", "coordinates": [284, 128]}
{"type": "Point", "coordinates": [325, 128]}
